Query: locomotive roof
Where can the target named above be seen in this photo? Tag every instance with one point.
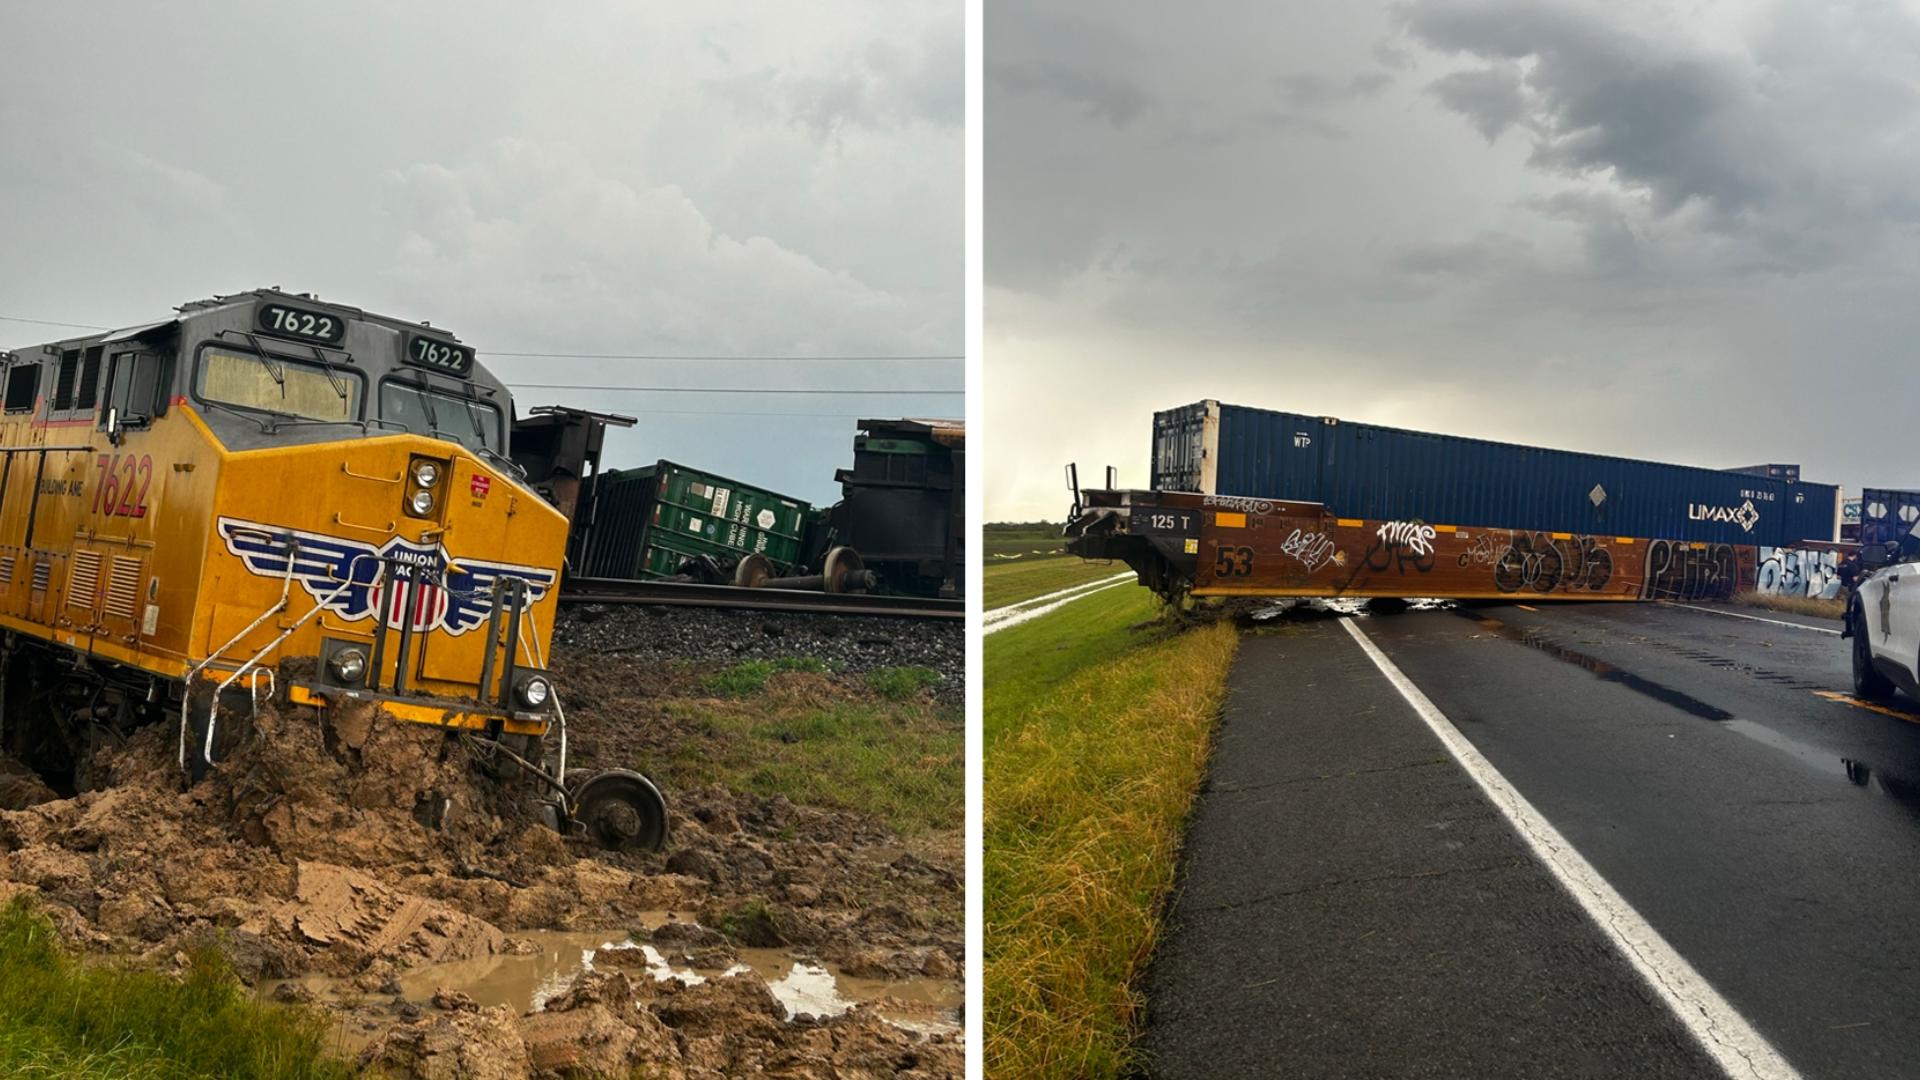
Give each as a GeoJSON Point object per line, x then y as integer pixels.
{"type": "Point", "coordinates": [195, 307]}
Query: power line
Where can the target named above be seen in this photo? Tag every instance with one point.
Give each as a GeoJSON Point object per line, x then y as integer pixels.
{"type": "Point", "coordinates": [46, 322]}
{"type": "Point", "coordinates": [675, 356]}
{"type": "Point", "coordinates": [719, 389]}
{"type": "Point", "coordinates": [722, 412]}
{"type": "Point", "coordinates": [610, 356]}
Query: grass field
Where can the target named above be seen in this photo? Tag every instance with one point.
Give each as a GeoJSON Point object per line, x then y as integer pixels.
{"type": "Point", "coordinates": [1007, 541]}
{"type": "Point", "coordinates": [64, 1017]}
{"type": "Point", "coordinates": [787, 727]}
{"type": "Point", "coordinates": [1798, 605]}
{"type": "Point", "coordinates": [1098, 721]}
{"type": "Point", "coordinates": [1010, 583]}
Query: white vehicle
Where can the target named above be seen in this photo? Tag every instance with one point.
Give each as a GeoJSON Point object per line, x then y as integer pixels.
{"type": "Point", "coordinates": [1883, 620]}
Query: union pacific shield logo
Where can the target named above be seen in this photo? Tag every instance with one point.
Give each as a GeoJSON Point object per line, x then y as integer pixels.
{"type": "Point", "coordinates": [344, 575]}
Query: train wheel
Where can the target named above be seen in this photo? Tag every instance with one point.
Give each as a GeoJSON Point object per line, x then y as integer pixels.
{"type": "Point", "coordinates": [622, 811]}
{"type": "Point", "coordinates": [752, 570]}
{"type": "Point", "coordinates": [845, 571]}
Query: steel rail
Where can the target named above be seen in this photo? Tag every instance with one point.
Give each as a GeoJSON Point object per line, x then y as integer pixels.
{"type": "Point", "coordinates": [689, 594]}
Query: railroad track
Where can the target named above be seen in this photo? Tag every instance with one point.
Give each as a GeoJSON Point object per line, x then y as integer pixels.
{"type": "Point", "coordinates": [687, 594]}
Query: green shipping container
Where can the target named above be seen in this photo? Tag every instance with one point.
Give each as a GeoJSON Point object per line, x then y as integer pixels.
{"type": "Point", "coordinates": [652, 522]}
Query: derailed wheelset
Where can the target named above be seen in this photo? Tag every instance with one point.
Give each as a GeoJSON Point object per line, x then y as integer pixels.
{"type": "Point", "coordinates": [619, 809]}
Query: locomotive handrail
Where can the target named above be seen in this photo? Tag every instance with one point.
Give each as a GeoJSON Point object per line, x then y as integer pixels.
{"type": "Point", "coordinates": [286, 591]}
{"type": "Point", "coordinates": [348, 469]}
{"type": "Point", "coordinates": [213, 705]}
{"type": "Point", "coordinates": [559, 714]}
{"type": "Point", "coordinates": [388, 531]}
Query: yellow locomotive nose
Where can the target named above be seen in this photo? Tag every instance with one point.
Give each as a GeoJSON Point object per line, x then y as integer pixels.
{"type": "Point", "coordinates": [209, 502]}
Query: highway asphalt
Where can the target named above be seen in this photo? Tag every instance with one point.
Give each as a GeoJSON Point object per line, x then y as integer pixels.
{"type": "Point", "coordinates": [1351, 904]}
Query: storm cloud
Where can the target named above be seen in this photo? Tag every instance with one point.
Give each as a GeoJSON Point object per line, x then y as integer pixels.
{"type": "Point", "coordinates": [1614, 227]}
{"type": "Point", "coordinates": [602, 177]}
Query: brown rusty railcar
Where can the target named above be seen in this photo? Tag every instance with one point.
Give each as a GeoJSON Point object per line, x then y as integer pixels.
{"type": "Point", "coordinates": [1182, 543]}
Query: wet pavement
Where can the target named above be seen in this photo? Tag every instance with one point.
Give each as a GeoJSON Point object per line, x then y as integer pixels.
{"type": "Point", "coordinates": [1351, 904]}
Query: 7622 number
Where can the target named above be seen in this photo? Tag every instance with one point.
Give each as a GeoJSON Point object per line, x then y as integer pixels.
{"type": "Point", "coordinates": [122, 487]}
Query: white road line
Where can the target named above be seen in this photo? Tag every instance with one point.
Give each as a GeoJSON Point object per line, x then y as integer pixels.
{"type": "Point", "coordinates": [1755, 618]}
{"type": "Point", "coordinates": [1726, 1036]}
{"type": "Point", "coordinates": [1015, 608]}
{"type": "Point", "coordinates": [1019, 617]}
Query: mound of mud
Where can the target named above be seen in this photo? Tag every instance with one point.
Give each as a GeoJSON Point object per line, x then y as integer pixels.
{"type": "Point", "coordinates": [358, 847]}
{"type": "Point", "coordinates": [609, 1024]}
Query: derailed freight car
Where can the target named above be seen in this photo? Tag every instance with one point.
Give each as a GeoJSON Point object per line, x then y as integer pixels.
{"type": "Point", "coordinates": [899, 526]}
{"type": "Point", "coordinates": [1257, 502]}
{"type": "Point", "coordinates": [903, 505]}
{"type": "Point", "coordinates": [1183, 543]}
{"type": "Point", "coordinates": [1381, 473]}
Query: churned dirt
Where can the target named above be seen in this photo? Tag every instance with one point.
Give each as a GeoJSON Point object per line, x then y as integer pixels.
{"type": "Point", "coordinates": [357, 847]}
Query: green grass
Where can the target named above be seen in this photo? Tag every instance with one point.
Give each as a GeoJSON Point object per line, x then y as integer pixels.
{"type": "Point", "coordinates": [1097, 731]}
{"type": "Point", "coordinates": [65, 1017]}
{"type": "Point", "coordinates": [750, 677]}
{"type": "Point", "coordinates": [1022, 540]}
{"type": "Point", "coordinates": [1010, 583]}
{"type": "Point", "coordinates": [1028, 662]}
{"type": "Point", "coordinates": [902, 760]}
{"type": "Point", "coordinates": [901, 683]}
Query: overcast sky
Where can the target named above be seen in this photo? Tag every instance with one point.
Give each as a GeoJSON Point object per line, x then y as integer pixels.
{"type": "Point", "coordinates": [587, 177]}
{"type": "Point", "coordinates": [1684, 232]}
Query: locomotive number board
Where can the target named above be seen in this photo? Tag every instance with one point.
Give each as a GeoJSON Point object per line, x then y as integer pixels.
{"type": "Point", "coordinates": [439, 355]}
{"type": "Point", "coordinates": [300, 324]}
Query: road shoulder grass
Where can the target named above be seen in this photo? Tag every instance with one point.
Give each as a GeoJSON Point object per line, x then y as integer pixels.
{"type": "Point", "coordinates": [1796, 605]}
{"type": "Point", "coordinates": [1098, 724]}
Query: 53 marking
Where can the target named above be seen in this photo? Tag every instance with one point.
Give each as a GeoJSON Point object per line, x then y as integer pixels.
{"type": "Point", "coordinates": [1232, 561]}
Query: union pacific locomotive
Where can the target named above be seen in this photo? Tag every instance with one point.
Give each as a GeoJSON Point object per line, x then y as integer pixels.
{"type": "Point", "coordinates": [270, 496]}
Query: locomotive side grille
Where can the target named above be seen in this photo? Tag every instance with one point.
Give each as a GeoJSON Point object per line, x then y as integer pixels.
{"type": "Point", "coordinates": [123, 588]}
{"type": "Point", "coordinates": [6, 570]}
{"type": "Point", "coordinates": [42, 573]}
{"type": "Point", "coordinates": [83, 579]}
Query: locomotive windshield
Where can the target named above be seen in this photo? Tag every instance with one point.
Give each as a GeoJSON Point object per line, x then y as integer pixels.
{"type": "Point", "coordinates": [280, 385]}
{"type": "Point", "coordinates": [475, 424]}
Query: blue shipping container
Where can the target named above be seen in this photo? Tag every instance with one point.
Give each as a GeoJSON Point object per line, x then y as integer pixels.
{"type": "Point", "coordinates": [1392, 474]}
{"type": "Point", "coordinates": [1887, 515]}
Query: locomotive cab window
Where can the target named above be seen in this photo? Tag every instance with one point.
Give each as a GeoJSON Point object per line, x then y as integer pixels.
{"type": "Point", "coordinates": [425, 411]}
{"type": "Point", "coordinates": [277, 384]}
{"type": "Point", "coordinates": [132, 389]}
{"type": "Point", "coordinates": [23, 386]}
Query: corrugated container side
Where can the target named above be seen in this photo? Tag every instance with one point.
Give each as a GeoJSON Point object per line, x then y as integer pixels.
{"type": "Point", "coordinates": [1179, 448]}
{"type": "Point", "coordinates": [1381, 473]}
{"type": "Point", "coordinates": [649, 521]}
{"type": "Point", "coordinates": [1888, 514]}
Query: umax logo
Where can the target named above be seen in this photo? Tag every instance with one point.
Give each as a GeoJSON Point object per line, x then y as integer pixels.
{"type": "Point", "coordinates": [1743, 515]}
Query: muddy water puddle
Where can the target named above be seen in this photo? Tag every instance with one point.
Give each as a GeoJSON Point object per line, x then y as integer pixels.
{"type": "Point", "coordinates": [552, 959]}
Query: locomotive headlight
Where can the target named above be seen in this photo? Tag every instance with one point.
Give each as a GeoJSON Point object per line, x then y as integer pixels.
{"type": "Point", "coordinates": [348, 665]}
{"type": "Point", "coordinates": [422, 502]}
{"type": "Point", "coordinates": [426, 473]}
{"type": "Point", "coordinates": [534, 690]}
